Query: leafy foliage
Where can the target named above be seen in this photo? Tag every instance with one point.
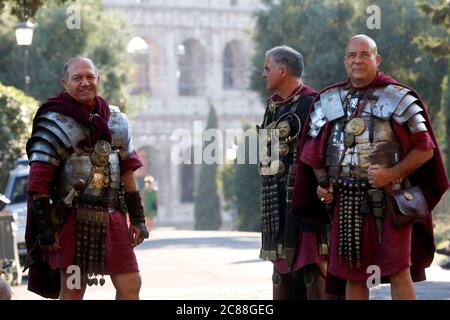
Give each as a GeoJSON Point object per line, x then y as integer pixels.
{"type": "Point", "coordinates": [53, 44]}
{"type": "Point", "coordinates": [26, 9]}
{"type": "Point", "coordinates": [247, 187]}
{"type": "Point", "coordinates": [16, 112]}
{"type": "Point", "coordinates": [207, 202]}
{"type": "Point", "coordinates": [321, 29]}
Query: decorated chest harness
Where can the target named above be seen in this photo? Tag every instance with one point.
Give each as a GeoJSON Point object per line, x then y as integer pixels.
{"type": "Point", "coordinates": [361, 135]}
{"type": "Point", "coordinates": [91, 176]}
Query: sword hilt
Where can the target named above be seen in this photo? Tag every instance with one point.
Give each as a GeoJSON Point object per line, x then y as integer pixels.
{"type": "Point", "coordinates": [76, 189]}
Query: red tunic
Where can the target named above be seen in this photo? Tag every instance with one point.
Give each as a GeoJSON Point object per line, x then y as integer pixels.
{"type": "Point", "coordinates": [394, 253]}
{"type": "Point", "coordinates": [119, 255]}
{"type": "Point", "coordinates": [307, 246]}
{"type": "Point", "coordinates": [307, 253]}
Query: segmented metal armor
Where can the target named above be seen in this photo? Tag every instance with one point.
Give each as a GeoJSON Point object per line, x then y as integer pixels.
{"type": "Point", "coordinates": [361, 135]}
{"type": "Point", "coordinates": [55, 141]}
{"type": "Point", "coordinates": [278, 175]}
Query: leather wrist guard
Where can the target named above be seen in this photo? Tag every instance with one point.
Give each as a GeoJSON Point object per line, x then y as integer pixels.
{"type": "Point", "coordinates": [42, 216]}
{"type": "Point", "coordinates": [136, 212]}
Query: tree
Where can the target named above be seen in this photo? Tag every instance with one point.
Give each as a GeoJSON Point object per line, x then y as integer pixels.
{"type": "Point", "coordinates": [321, 29]}
{"type": "Point", "coordinates": [53, 44]}
{"type": "Point", "coordinates": [226, 186]}
{"type": "Point", "coordinates": [247, 186]}
{"type": "Point", "coordinates": [16, 112]}
{"type": "Point", "coordinates": [318, 29]}
{"type": "Point", "coordinates": [207, 202]}
{"type": "Point", "coordinates": [439, 46]}
{"type": "Point", "coordinates": [402, 58]}
{"type": "Point", "coordinates": [25, 9]}
{"type": "Point", "coordinates": [440, 16]}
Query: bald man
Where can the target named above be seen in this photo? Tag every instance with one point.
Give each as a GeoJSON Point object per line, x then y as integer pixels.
{"type": "Point", "coordinates": [370, 135]}
{"type": "Point", "coordinates": [82, 157]}
{"type": "Point", "coordinates": [5, 289]}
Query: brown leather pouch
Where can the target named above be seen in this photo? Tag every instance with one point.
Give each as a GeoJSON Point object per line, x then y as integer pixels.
{"type": "Point", "coordinates": [407, 206]}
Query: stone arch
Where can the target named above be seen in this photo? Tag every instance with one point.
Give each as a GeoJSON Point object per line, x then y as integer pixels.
{"type": "Point", "coordinates": [191, 71]}
{"type": "Point", "coordinates": [146, 55]}
{"type": "Point", "coordinates": [234, 66]}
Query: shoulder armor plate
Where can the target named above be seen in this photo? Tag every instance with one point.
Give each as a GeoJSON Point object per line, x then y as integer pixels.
{"type": "Point", "coordinates": [121, 132]}
{"type": "Point", "coordinates": [317, 120]}
{"type": "Point", "coordinates": [388, 101]}
{"type": "Point", "coordinates": [48, 137]}
{"type": "Point", "coordinates": [70, 127]}
{"type": "Point", "coordinates": [332, 104]}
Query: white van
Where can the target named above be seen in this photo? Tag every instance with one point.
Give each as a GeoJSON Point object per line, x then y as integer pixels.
{"type": "Point", "coordinates": [16, 192]}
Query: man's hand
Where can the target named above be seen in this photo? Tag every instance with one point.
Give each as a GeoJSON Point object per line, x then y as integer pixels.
{"type": "Point", "coordinates": [379, 176]}
{"type": "Point", "coordinates": [325, 195]}
{"type": "Point", "coordinates": [135, 235]}
{"type": "Point", "coordinates": [2, 271]}
{"type": "Point", "coordinates": [52, 247]}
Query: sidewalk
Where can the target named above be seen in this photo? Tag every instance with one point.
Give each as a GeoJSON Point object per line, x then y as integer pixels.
{"type": "Point", "coordinates": [205, 265]}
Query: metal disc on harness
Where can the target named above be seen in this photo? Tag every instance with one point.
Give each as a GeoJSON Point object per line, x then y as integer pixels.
{"type": "Point", "coordinates": [283, 129]}
{"type": "Point", "coordinates": [277, 168]}
{"type": "Point", "coordinates": [284, 149]}
{"type": "Point", "coordinates": [355, 126]}
{"type": "Point", "coordinates": [100, 154]}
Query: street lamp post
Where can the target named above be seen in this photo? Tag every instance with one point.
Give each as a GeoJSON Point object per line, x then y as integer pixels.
{"type": "Point", "coordinates": [24, 38]}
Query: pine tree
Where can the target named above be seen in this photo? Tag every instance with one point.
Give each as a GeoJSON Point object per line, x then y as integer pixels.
{"type": "Point", "coordinates": [444, 121]}
{"type": "Point", "coordinates": [207, 202]}
{"type": "Point", "coordinates": [439, 46]}
{"type": "Point", "coordinates": [247, 185]}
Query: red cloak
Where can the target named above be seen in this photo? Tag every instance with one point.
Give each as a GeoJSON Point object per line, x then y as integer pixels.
{"type": "Point", "coordinates": [305, 200]}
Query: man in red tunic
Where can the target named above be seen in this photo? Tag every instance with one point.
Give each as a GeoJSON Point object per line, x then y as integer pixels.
{"type": "Point", "coordinates": [298, 251]}
{"type": "Point", "coordinates": [80, 185]}
{"type": "Point", "coordinates": [368, 136]}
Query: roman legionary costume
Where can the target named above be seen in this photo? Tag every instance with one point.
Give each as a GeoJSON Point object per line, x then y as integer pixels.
{"type": "Point", "coordinates": [77, 158]}
{"type": "Point", "coordinates": [350, 129]}
{"type": "Point", "coordinates": [289, 245]}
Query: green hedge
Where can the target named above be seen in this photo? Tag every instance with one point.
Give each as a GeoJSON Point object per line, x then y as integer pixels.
{"type": "Point", "coordinates": [16, 112]}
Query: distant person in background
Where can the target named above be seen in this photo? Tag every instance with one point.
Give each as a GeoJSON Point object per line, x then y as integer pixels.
{"type": "Point", "coordinates": [5, 289]}
{"type": "Point", "coordinates": [150, 201]}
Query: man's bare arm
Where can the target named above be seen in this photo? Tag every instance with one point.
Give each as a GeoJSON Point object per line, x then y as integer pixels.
{"type": "Point", "coordinates": [380, 177]}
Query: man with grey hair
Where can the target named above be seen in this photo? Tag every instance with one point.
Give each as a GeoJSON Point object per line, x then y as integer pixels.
{"type": "Point", "coordinates": [299, 266]}
{"type": "Point", "coordinates": [5, 289]}
{"type": "Point", "coordinates": [81, 185]}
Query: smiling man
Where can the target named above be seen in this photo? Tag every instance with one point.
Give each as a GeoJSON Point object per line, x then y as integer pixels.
{"type": "Point", "coordinates": [80, 186]}
{"type": "Point", "coordinates": [370, 136]}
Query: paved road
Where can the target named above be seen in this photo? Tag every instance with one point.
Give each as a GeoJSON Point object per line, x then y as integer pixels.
{"type": "Point", "coordinates": [197, 265]}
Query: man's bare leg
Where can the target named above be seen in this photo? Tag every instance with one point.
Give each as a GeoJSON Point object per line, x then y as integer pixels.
{"type": "Point", "coordinates": [70, 294]}
{"type": "Point", "coordinates": [315, 282]}
{"type": "Point", "coordinates": [356, 290]}
{"type": "Point", "coordinates": [5, 290]}
{"type": "Point", "coordinates": [127, 285]}
{"type": "Point", "coordinates": [149, 223]}
{"type": "Point", "coordinates": [402, 287]}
